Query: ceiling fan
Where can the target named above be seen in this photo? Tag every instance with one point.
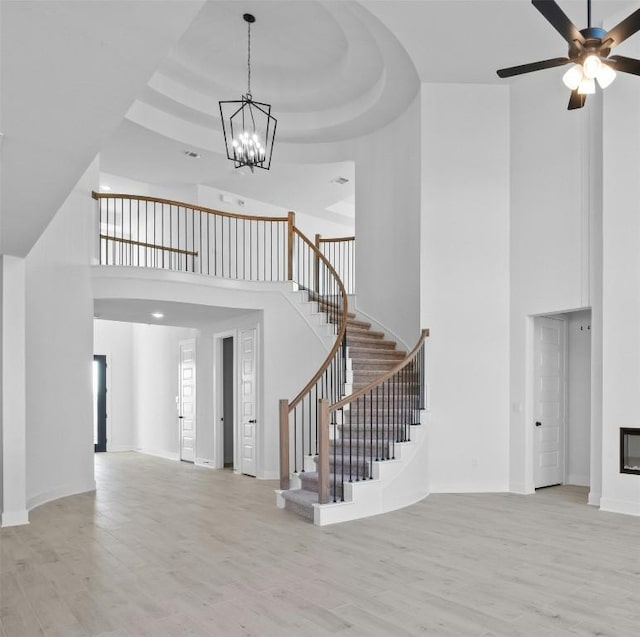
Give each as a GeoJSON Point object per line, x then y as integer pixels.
{"type": "Point", "coordinates": [589, 51]}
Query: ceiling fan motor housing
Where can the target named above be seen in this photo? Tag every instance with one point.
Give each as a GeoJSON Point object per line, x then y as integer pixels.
{"type": "Point", "coordinates": [593, 40]}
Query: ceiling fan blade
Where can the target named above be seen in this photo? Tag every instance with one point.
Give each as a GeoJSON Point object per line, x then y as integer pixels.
{"type": "Point", "coordinates": [576, 100]}
{"type": "Point", "coordinates": [533, 66]}
{"type": "Point", "coordinates": [558, 20]}
{"type": "Point", "coordinates": [626, 28]}
{"type": "Point", "coordinates": [625, 65]}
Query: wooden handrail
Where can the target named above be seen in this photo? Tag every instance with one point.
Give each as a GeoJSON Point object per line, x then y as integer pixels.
{"type": "Point", "coordinates": [181, 204]}
{"type": "Point", "coordinates": [155, 246]}
{"type": "Point", "coordinates": [341, 331]}
{"type": "Point", "coordinates": [386, 376]}
{"type": "Point", "coordinates": [334, 239]}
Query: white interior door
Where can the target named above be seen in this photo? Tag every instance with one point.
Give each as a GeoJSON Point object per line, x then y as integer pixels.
{"type": "Point", "coordinates": [187, 400]}
{"type": "Point", "coordinates": [550, 381]}
{"type": "Point", "coordinates": [248, 402]}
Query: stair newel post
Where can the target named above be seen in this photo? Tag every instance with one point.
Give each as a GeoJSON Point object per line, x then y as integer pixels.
{"type": "Point", "coordinates": [323, 451]}
{"type": "Point", "coordinates": [316, 266]}
{"type": "Point", "coordinates": [284, 444]}
{"type": "Point", "coordinates": [291, 224]}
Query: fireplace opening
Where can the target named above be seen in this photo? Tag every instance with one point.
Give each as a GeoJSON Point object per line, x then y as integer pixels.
{"type": "Point", "coordinates": [629, 450]}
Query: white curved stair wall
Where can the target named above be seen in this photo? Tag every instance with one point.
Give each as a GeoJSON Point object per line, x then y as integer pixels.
{"type": "Point", "coordinates": [396, 484]}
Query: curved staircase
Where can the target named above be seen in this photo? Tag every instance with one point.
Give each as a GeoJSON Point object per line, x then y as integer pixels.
{"type": "Point", "coordinates": [355, 419]}
{"type": "Point", "coordinates": [376, 456]}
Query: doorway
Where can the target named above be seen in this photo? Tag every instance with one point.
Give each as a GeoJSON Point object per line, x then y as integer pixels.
{"type": "Point", "coordinates": [227, 402]}
{"type": "Point", "coordinates": [562, 399]}
{"type": "Point", "coordinates": [235, 356]}
{"type": "Point", "coordinates": [549, 401]}
{"type": "Point", "coordinates": [99, 402]}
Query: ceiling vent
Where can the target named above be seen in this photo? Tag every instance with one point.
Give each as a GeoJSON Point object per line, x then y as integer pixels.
{"type": "Point", "coordinates": [191, 153]}
{"type": "Point", "coordinates": [339, 180]}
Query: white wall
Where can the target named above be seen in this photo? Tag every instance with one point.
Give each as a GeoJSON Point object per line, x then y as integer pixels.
{"type": "Point", "coordinates": [117, 184]}
{"type": "Point", "coordinates": [290, 350]}
{"type": "Point", "coordinates": [12, 391]}
{"type": "Point", "coordinates": [388, 224]}
{"type": "Point", "coordinates": [155, 358]}
{"type": "Point", "coordinates": [465, 283]}
{"type": "Point", "coordinates": [309, 224]}
{"type": "Point", "coordinates": [59, 346]}
{"type": "Point", "coordinates": [578, 397]}
{"type": "Point", "coordinates": [621, 287]}
{"type": "Point", "coordinates": [550, 237]}
{"type": "Point", "coordinates": [115, 340]}
{"type": "Point", "coordinates": [137, 387]}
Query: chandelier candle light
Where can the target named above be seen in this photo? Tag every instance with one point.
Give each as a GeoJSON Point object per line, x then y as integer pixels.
{"type": "Point", "coordinates": [249, 128]}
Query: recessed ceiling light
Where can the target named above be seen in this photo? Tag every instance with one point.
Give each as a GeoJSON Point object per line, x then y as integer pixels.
{"type": "Point", "coordinates": [157, 315]}
{"type": "Point", "coordinates": [339, 180]}
{"type": "Point", "coordinates": [192, 154]}
{"type": "Point", "coordinates": [105, 188]}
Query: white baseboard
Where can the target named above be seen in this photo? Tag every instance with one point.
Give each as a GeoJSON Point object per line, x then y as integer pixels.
{"type": "Point", "coordinates": [627, 507]}
{"type": "Point", "coordinates": [207, 463]}
{"type": "Point", "coordinates": [578, 480]}
{"type": "Point", "coordinates": [521, 488]}
{"type": "Point", "coordinates": [594, 499]}
{"type": "Point", "coordinates": [469, 488]}
{"type": "Point", "coordinates": [167, 455]}
{"type": "Point", "coordinates": [269, 475]}
{"type": "Point", "coordinates": [59, 492]}
{"type": "Point", "coordinates": [119, 448]}
{"type": "Point", "coordinates": [14, 518]}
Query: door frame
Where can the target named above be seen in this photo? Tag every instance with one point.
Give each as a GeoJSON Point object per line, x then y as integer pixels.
{"type": "Point", "coordinates": [218, 399]}
{"type": "Point", "coordinates": [218, 429]}
{"type": "Point", "coordinates": [561, 317]}
{"type": "Point", "coordinates": [101, 445]}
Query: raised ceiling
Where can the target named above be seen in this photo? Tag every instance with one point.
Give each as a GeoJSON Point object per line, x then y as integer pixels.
{"type": "Point", "coordinates": [333, 71]}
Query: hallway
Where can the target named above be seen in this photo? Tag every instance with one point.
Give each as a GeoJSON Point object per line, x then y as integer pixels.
{"type": "Point", "coordinates": [166, 548]}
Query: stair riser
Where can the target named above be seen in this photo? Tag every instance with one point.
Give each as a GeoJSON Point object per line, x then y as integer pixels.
{"type": "Point", "coordinates": [335, 486]}
{"type": "Point", "coordinates": [370, 343]}
{"type": "Point", "coordinates": [357, 332]}
{"type": "Point", "coordinates": [301, 510]}
{"type": "Point", "coordinates": [354, 470]}
{"type": "Point", "coordinates": [364, 377]}
{"type": "Point", "coordinates": [361, 443]}
{"type": "Point", "coordinates": [375, 364]}
{"type": "Point", "coordinates": [366, 352]}
{"type": "Point", "coordinates": [362, 325]}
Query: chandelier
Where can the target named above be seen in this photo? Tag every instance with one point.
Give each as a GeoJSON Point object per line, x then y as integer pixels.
{"type": "Point", "coordinates": [249, 128]}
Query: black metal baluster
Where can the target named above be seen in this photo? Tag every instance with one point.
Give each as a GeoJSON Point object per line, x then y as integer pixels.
{"type": "Point", "coordinates": [302, 418]}
{"type": "Point", "coordinates": [106, 245]}
{"type": "Point", "coordinates": [295, 440]}
{"type": "Point", "coordinates": [370, 433]}
{"type": "Point", "coordinates": [334, 422]}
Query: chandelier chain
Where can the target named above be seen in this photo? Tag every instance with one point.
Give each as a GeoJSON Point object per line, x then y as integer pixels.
{"type": "Point", "coordinates": [249, 60]}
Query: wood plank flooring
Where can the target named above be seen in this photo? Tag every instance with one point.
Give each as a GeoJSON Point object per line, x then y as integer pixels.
{"type": "Point", "coordinates": [169, 549]}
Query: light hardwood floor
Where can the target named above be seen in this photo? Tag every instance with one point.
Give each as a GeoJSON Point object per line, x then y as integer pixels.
{"type": "Point", "coordinates": [166, 548]}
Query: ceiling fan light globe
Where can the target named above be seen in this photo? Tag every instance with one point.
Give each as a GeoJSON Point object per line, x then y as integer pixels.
{"type": "Point", "coordinates": [587, 86]}
{"type": "Point", "coordinates": [573, 77]}
{"type": "Point", "coordinates": [592, 66]}
{"type": "Point", "coordinates": [605, 76]}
